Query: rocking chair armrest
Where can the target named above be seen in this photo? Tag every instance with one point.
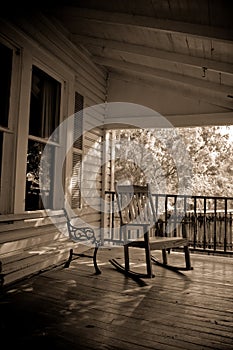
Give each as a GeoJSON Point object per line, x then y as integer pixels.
{"type": "Point", "coordinates": [138, 224]}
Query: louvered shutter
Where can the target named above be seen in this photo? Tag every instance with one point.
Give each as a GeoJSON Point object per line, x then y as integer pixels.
{"type": "Point", "coordinates": [78, 121]}
{"type": "Point", "coordinates": [77, 152]}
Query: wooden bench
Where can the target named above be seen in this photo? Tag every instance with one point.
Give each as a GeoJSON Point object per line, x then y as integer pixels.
{"type": "Point", "coordinates": [137, 222]}
{"type": "Point", "coordinates": [36, 241]}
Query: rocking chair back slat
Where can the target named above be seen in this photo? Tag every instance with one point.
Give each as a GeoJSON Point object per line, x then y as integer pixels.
{"type": "Point", "coordinates": [135, 205]}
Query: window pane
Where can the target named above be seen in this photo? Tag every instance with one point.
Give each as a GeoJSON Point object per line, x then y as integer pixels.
{"type": "Point", "coordinates": [5, 83]}
{"type": "Point", "coordinates": [33, 192]}
{"type": "Point", "coordinates": [1, 144]}
{"type": "Point", "coordinates": [45, 104]}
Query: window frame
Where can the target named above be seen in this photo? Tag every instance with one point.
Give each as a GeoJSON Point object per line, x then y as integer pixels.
{"type": "Point", "coordinates": [9, 133]}
{"type": "Point", "coordinates": [16, 135]}
{"type": "Point", "coordinates": [47, 140]}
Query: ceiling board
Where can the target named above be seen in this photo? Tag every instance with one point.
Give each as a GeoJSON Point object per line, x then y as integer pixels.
{"type": "Point", "coordinates": [183, 44]}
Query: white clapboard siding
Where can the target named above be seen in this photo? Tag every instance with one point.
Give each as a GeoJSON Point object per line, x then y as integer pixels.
{"type": "Point", "coordinates": [108, 180]}
{"type": "Point", "coordinates": [92, 177]}
{"type": "Point", "coordinates": [27, 248]}
{"type": "Point", "coordinates": [28, 264]}
{"type": "Point", "coordinates": [54, 40]}
{"type": "Point", "coordinates": [30, 243]}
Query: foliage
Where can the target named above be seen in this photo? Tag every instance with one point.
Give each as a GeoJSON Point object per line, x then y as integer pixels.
{"type": "Point", "coordinates": [175, 159]}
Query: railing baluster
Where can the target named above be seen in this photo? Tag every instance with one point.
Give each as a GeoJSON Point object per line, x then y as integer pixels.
{"type": "Point", "coordinates": [195, 223]}
{"type": "Point", "coordinates": [210, 236]}
{"type": "Point", "coordinates": [231, 239]}
{"type": "Point", "coordinates": [166, 215]}
{"type": "Point", "coordinates": [184, 219]}
{"type": "Point", "coordinates": [112, 214]}
{"type": "Point", "coordinates": [175, 216]}
{"type": "Point", "coordinates": [225, 225]}
{"type": "Point", "coordinates": [156, 205]}
{"type": "Point", "coordinates": [215, 222]}
{"type": "Point", "coordinates": [204, 225]}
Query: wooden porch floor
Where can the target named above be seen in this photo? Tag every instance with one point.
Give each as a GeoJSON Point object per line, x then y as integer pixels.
{"type": "Point", "coordinates": [73, 308]}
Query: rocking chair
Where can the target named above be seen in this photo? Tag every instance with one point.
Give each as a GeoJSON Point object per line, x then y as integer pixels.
{"type": "Point", "coordinates": [137, 223]}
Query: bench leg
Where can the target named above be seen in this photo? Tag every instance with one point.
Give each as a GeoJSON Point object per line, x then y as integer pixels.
{"type": "Point", "coordinates": [94, 257]}
{"type": "Point", "coordinates": [97, 270]}
{"type": "Point", "coordinates": [67, 264]}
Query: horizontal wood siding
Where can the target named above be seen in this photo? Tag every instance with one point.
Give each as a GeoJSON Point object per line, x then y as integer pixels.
{"type": "Point", "coordinates": [26, 248]}
{"type": "Point", "coordinates": [33, 244]}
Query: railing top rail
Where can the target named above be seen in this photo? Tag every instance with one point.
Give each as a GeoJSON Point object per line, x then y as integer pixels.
{"type": "Point", "coordinates": [182, 196]}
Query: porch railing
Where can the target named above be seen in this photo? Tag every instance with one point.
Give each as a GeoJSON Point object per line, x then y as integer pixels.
{"type": "Point", "coordinates": [207, 221]}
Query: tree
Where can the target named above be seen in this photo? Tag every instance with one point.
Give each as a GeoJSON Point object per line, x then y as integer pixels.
{"type": "Point", "coordinates": [211, 152]}
{"type": "Point", "coordinates": [175, 159]}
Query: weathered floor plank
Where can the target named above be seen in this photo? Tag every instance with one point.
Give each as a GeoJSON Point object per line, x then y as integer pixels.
{"type": "Point", "coordinates": [75, 308]}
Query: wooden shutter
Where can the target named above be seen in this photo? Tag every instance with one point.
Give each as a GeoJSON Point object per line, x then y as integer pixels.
{"type": "Point", "coordinates": [77, 152]}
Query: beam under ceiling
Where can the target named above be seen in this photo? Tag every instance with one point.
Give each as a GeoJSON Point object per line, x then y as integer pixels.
{"type": "Point", "coordinates": [187, 90]}
{"type": "Point", "coordinates": [145, 51]}
{"type": "Point", "coordinates": [150, 23]}
{"type": "Point", "coordinates": [223, 91]}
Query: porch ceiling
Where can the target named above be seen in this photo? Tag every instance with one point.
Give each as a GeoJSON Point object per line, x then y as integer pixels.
{"type": "Point", "coordinates": [175, 56]}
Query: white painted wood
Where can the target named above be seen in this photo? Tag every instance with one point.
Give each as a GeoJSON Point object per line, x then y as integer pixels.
{"type": "Point", "coordinates": [156, 93]}
{"type": "Point", "coordinates": [202, 119]}
{"type": "Point", "coordinates": [62, 60]}
{"type": "Point", "coordinates": [151, 23]}
{"type": "Point", "coordinates": [66, 60]}
{"type": "Point", "coordinates": [47, 44]}
{"type": "Point", "coordinates": [48, 37]}
{"type": "Point", "coordinates": [145, 51]}
{"type": "Point", "coordinates": [158, 73]}
{"type": "Point", "coordinates": [30, 247]}
{"type": "Point", "coordinates": [49, 47]}
{"type": "Point", "coordinates": [23, 127]}
{"type": "Point", "coordinates": [9, 134]}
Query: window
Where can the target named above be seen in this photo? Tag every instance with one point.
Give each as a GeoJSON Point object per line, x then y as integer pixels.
{"type": "Point", "coordinates": [77, 152]}
{"type": "Point", "coordinates": [43, 121]}
{"type": "Point", "coordinates": [1, 148]}
{"type": "Point", "coordinates": [5, 83]}
{"type": "Point", "coordinates": [8, 123]}
{"type": "Point", "coordinates": [45, 104]}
